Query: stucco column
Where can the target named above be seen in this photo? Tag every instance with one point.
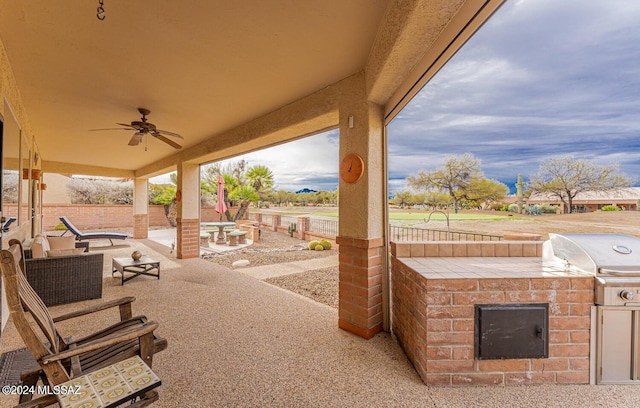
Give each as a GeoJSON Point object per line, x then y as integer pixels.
{"type": "Point", "coordinates": [361, 234]}
{"type": "Point", "coordinates": [188, 219]}
{"type": "Point", "coordinates": [140, 209]}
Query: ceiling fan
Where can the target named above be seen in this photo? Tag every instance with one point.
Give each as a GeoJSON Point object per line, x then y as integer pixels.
{"type": "Point", "coordinates": [143, 127]}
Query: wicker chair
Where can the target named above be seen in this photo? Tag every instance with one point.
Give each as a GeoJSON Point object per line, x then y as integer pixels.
{"type": "Point", "coordinates": [65, 279]}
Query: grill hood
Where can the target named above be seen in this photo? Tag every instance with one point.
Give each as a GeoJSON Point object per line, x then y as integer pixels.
{"type": "Point", "coordinates": [603, 254]}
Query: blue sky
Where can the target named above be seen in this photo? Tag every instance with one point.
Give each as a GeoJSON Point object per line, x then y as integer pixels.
{"type": "Point", "coordinates": [541, 78]}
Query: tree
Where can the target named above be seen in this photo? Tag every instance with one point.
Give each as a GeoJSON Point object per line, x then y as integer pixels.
{"type": "Point", "coordinates": [86, 190]}
{"type": "Point", "coordinates": [565, 177]}
{"type": "Point", "coordinates": [483, 192]}
{"type": "Point", "coordinates": [165, 195]}
{"type": "Point", "coordinates": [403, 199]}
{"type": "Point", "coordinates": [283, 197]}
{"type": "Point", "coordinates": [241, 185]}
{"type": "Point", "coordinates": [261, 179]}
{"type": "Point", "coordinates": [454, 178]}
{"type": "Point", "coordinates": [10, 186]}
{"type": "Point", "coordinates": [435, 199]}
{"type": "Point", "coordinates": [245, 195]}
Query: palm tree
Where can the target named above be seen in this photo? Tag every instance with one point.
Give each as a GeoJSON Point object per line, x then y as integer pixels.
{"type": "Point", "coordinates": [241, 185]}
{"type": "Point", "coordinates": [245, 195]}
{"type": "Point", "coordinates": [260, 177]}
{"type": "Point", "coordinates": [231, 184]}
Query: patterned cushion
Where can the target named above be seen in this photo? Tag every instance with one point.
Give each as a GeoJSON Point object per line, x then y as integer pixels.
{"type": "Point", "coordinates": [109, 386]}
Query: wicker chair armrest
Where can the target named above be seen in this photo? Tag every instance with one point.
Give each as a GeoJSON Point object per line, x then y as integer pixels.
{"type": "Point", "coordinates": [66, 279]}
{"type": "Point", "coordinates": [72, 261]}
{"type": "Point", "coordinates": [124, 302]}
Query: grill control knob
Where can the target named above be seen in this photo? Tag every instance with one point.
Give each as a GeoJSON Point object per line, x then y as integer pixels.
{"type": "Point", "coordinates": [626, 295]}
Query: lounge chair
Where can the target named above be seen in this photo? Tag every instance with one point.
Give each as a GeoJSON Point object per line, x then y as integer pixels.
{"type": "Point", "coordinates": [7, 223]}
{"type": "Point", "coordinates": [61, 359]}
{"type": "Point", "coordinates": [80, 236]}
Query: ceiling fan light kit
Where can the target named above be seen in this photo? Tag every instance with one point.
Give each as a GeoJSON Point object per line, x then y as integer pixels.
{"type": "Point", "coordinates": [143, 127]}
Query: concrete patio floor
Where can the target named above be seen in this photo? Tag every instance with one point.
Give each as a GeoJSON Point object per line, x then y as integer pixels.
{"type": "Point", "coordinates": [235, 341]}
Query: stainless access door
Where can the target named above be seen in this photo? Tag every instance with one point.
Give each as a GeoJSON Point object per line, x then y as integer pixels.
{"type": "Point", "coordinates": [618, 334]}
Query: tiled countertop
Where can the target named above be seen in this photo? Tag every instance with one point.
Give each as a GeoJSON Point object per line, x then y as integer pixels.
{"type": "Point", "coordinates": [486, 267]}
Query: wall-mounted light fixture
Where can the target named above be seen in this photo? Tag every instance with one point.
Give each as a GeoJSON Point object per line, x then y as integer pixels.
{"type": "Point", "coordinates": [35, 174]}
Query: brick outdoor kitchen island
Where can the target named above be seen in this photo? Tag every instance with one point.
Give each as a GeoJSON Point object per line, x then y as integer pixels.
{"type": "Point", "coordinates": [450, 298]}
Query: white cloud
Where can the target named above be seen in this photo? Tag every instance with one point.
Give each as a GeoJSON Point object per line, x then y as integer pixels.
{"type": "Point", "coordinates": [310, 162]}
{"type": "Point", "coordinates": [540, 78]}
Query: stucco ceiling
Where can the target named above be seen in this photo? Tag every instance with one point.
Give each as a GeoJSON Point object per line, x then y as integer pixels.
{"type": "Point", "coordinates": [201, 67]}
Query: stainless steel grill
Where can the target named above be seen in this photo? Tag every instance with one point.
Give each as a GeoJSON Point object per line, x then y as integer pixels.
{"type": "Point", "coordinates": [614, 260]}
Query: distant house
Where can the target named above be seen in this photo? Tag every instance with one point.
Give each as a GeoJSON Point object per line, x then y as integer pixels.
{"type": "Point", "coordinates": [625, 198]}
{"type": "Point", "coordinates": [306, 190]}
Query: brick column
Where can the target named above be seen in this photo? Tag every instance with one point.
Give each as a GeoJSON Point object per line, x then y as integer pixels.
{"type": "Point", "coordinates": [302, 226]}
{"type": "Point", "coordinates": [275, 221]}
{"type": "Point", "coordinates": [360, 302]}
{"type": "Point", "coordinates": [188, 238]}
{"type": "Point", "coordinates": [140, 226]}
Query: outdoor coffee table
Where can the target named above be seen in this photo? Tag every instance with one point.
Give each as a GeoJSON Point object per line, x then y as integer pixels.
{"type": "Point", "coordinates": [144, 266]}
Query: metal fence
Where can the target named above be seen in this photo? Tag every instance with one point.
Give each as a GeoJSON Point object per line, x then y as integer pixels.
{"type": "Point", "coordinates": [397, 233]}
{"type": "Point", "coordinates": [329, 227]}
{"type": "Point", "coordinates": [287, 220]}
{"type": "Point", "coordinates": [322, 226]}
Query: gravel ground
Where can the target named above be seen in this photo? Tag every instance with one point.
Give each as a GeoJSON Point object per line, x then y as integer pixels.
{"type": "Point", "coordinates": [320, 285]}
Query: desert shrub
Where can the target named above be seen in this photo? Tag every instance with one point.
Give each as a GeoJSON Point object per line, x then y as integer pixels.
{"type": "Point", "coordinates": [99, 191]}
{"type": "Point", "coordinates": [548, 208]}
{"type": "Point", "coordinates": [319, 248]}
{"type": "Point", "coordinates": [533, 209]}
{"type": "Point", "coordinates": [325, 244]}
{"type": "Point", "coordinates": [313, 244]}
{"type": "Point", "coordinates": [513, 208]}
{"type": "Point", "coordinates": [611, 208]}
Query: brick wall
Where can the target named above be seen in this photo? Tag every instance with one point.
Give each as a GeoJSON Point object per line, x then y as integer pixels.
{"type": "Point", "coordinates": [433, 320]}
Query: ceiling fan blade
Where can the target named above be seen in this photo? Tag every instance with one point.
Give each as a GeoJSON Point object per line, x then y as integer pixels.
{"type": "Point", "coordinates": [124, 124]}
{"type": "Point", "coordinates": [129, 129]}
{"type": "Point", "coordinates": [136, 139]}
{"type": "Point", "coordinates": [167, 141]}
{"type": "Point", "coordinates": [167, 133]}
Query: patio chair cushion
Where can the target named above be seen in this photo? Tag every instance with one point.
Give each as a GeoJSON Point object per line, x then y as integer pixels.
{"type": "Point", "coordinates": [39, 247]}
{"type": "Point", "coordinates": [52, 253]}
{"type": "Point", "coordinates": [66, 242]}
